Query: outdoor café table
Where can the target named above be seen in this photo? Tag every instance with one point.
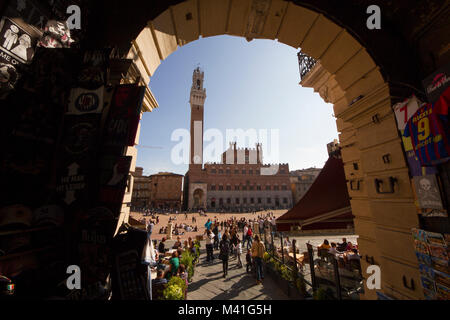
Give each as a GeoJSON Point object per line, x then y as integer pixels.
{"type": "Point", "coordinates": [169, 252]}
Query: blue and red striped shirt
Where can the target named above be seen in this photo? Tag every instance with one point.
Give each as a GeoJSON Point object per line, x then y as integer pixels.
{"type": "Point", "coordinates": [429, 132]}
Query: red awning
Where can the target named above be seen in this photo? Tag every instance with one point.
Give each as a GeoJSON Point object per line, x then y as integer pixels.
{"type": "Point", "coordinates": [326, 199]}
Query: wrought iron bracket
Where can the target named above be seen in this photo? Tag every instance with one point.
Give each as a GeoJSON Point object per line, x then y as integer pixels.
{"type": "Point", "coordinates": [375, 118]}
{"type": "Point", "coordinates": [352, 185]}
{"type": "Point", "coordinates": [411, 286]}
{"type": "Point", "coordinates": [306, 63]}
{"type": "Point", "coordinates": [370, 260]}
{"type": "Point", "coordinates": [379, 183]}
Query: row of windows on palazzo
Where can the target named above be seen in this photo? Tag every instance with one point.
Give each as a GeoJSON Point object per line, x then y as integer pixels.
{"type": "Point", "coordinates": [213, 187]}
{"type": "Point", "coordinates": [252, 201]}
{"type": "Point", "coordinates": [236, 171]}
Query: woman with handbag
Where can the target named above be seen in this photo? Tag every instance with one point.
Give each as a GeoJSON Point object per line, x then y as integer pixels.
{"type": "Point", "coordinates": [224, 253]}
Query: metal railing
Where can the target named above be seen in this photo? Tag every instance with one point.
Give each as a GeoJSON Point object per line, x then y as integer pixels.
{"type": "Point", "coordinates": [305, 63]}
{"type": "Point", "coordinates": [318, 271]}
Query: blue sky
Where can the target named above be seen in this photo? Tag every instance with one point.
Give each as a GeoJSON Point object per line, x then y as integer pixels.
{"type": "Point", "coordinates": [248, 85]}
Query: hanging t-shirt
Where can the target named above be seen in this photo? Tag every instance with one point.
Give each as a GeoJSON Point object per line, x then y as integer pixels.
{"type": "Point", "coordinates": [429, 133]}
{"type": "Point", "coordinates": [405, 110]}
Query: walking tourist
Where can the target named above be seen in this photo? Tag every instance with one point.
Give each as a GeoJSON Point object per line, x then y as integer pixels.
{"type": "Point", "coordinates": [215, 230]}
{"type": "Point", "coordinates": [244, 234]}
{"type": "Point", "coordinates": [224, 254]}
{"type": "Point", "coordinates": [208, 224]}
{"type": "Point", "coordinates": [209, 246]}
{"type": "Point", "coordinates": [258, 250]}
{"type": "Point", "coordinates": [249, 237]}
{"type": "Point", "coordinates": [239, 252]}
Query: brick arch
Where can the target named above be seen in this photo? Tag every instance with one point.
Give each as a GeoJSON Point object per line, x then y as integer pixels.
{"type": "Point", "coordinates": [350, 74]}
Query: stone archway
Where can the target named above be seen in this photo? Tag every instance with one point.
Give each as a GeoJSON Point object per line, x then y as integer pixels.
{"type": "Point", "coordinates": [347, 76]}
{"type": "Point", "coordinates": [355, 73]}
{"type": "Point", "coordinates": [198, 198]}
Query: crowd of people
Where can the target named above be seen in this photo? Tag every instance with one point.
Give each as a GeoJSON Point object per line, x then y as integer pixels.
{"type": "Point", "coordinates": [179, 229]}
{"type": "Point", "coordinates": [168, 267]}
{"type": "Point", "coordinates": [258, 224]}
{"type": "Point", "coordinates": [240, 240]}
{"type": "Point", "coordinates": [231, 237]}
{"type": "Point", "coordinates": [345, 252]}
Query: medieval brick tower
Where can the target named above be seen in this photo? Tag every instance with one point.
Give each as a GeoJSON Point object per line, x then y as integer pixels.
{"type": "Point", "coordinates": [197, 101]}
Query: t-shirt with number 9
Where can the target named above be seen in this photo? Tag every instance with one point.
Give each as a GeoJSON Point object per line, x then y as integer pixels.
{"type": "Point", "coordinates": [429, 132]}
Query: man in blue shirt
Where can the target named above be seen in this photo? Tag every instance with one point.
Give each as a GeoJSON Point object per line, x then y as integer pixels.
{"type": "Point", "coordinates": [208, 224]}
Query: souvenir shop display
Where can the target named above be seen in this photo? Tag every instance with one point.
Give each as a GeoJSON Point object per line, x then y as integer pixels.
{"type": "Point", "coordinates": [432, 253]}
{"type": "Point", "coordinates": [425, 133]}
{"type": "Point", "coordinates": [124, 115]}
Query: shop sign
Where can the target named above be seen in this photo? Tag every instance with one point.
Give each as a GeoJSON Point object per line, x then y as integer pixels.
{"type": "Point", "coordinates": [16, 48]}
{"type": "Point", "coordinates": [436, 83]}
{"type": "Point", "coordinates": [16, 43]}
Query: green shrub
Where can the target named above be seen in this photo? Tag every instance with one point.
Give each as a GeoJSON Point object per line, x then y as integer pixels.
{"type": "Point", "coordinates": [285, 273]}
{"type": "Point", "coordinates": [300, 284]}
{"type": "Point", "coordinates": [323, 294]}
{"type": "Point", "coordinates": [173, 292]}
{"type": "Point", "coordinates": [277, 266]}
{"type": "Point", "coordinates": [177, 281]}
{"type": "Point", "coordinates": [197, 248]}
{"type": "Point", "coordinates": [175, 289]}
{"type": "Point", "coordinates": [187, 258]}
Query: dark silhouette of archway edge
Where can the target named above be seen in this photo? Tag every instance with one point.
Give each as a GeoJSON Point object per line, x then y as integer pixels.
{"type": "Point", "coordinates": [117, 23]}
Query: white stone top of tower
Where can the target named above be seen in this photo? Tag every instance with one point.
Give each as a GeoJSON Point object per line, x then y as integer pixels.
{"type": "Point", "coordinates": [198, 92]}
